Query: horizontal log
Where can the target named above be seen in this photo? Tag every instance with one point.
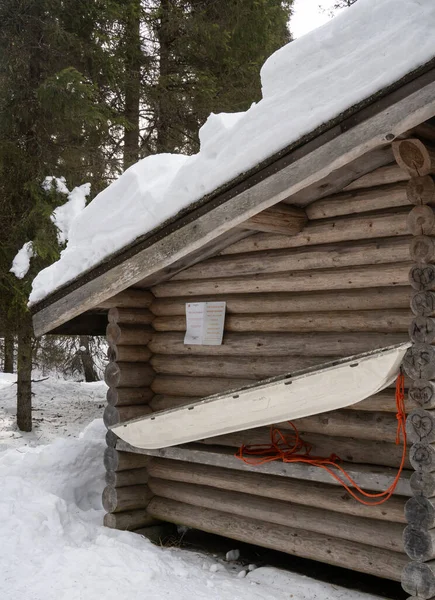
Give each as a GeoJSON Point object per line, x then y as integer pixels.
{"type": "Point", "coordinates": [379, 534]}
{"type": "Point", "coordinates": [422, 457]}
{"type": "Point", "coordinates": [295, 281]}
{"type": "Point", "coordinates": [421, 190]}
{"type": "Point", "coordinates": [279, 344]}
{"type": "Point", "coordinates": [348, 449]}
{"type": "Point", "coordinates": [384, 563]}
{"type": "Point", "coordinates": [422, 277]}
{"type": "Point", "coordinates": [423, 484]}
{"type": "Point", "coordinates": [414, 157]}
{"type": "Point", "coordinates": [130, 316]}
{"type": "Point", "coordinates": [129, 396]}
{"type": "Point", "coordinates": [195, 386]}
{"type": "Point", "coordinates": [129, 520]}
{"type": "Point", "coordinates": [118, 414]}
{"type": "Point", "coordinates": [383, 402]}
{"type": "Point", "coordinates": [421, 220]}
{"type": "Point", "coordinates": [351, 202]}
{"type": "Point", "coordinates": [126, 374]}
{"type": "Point", "coordinates": [371, 252]}
{"type": "Point", "coordinates": [383, 321]}
{"type": "Point", "coordinates": [329, 231]}
{"type": "Point", "coordinates": [318, 495]}
{"type": "Point", "coordinates": [381, 176]}
{"type": "Point", "coordinates": [369, 477]}
{"type": "Point", "coordinates": [130, 298]}
{"type": "Point", "coordinates": [130, 497]}
{"type": "Point", "coordinates": [422, 393]}
{"type": "Point", "coordinates": [128, 335]}
{"type": "Point", "coordinates": [420, 426]}
{"type": "Point", "coordinates": [375, 426]}
{"type": "Point", "coordinates": [419, 543]}
{"type": "Point", "coordinates": [419, 361]}
{"type": "Point", "coordinates": [347, 300]}
{"type": "Point", "coordinates": [118, 479]}
{"type": "Point", "coordinates": [136, 354]}
{"type": "Point", "coordinates": [280, 218]}
{"type": "Point", "coordinates": [422, 330]}
{"type": "Point", "coordinates": [420, 512]}
{"type": "Point", "coordinates": [256, 367]}
{"type": "Point", "coordinates": [114, 460]}
{"type": "Point", "coordinates": [419, 579]}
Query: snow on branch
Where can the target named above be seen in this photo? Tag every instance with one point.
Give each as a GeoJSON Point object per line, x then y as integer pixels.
{"type": "Point", "coordinates": [21, 262]}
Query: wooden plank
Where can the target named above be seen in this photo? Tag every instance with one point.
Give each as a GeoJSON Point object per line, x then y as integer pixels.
{"type": "Point", "coordinates": [195, 386]}
{"type": "Point", "coordinates": [318, 495]}
{"type": "Point", "coordinates": [369, 477]}
{"type": "Point", "coordinates": [129, 477]}
{"type": "Point", "coordinates": [126, 498]}
{"type": "Point", "coordinates": [128, 298]}
{"type": "Point", "coordinates": [414, 104]}
{"type": "Point", "coordinates": [345, 176]}
{"type": "Point", "coordinates": [347, 300]}
{"type": "Point", "coordinates": [278, 344]}
{"type": "Point", "coordinates": [329, 231]}
{"type": "Point", "coordinates": [117, 414]}
{"type": "Point", "coordinates": [129, 520]}
{"type": "Point", "coordinates": [245, 367]}
{"type": "Point", "coordinates": [379, 534]}
{"type": "Point", "coordinates": [383, 321]}
{"type": "Point", "coordinates": [386, 175]}
{"type": "Point", "coordinates": [130, 316]}
{"type": "Point", "coordinates": [348, 449]}
{"type": "Point", "coordinates": [280, 218]}
{"type": "Point", "coordinates": [359, 557]}
{"type": "Point", "coordinates": [295, 281]}
{"type": "Point", "coordinates": [350, 254]}
{"type": "Point", "coordinates": [359, 201]}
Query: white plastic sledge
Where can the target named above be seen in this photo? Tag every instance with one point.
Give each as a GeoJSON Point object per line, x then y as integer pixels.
{"type": "Point", "coordinates": [312, 391]}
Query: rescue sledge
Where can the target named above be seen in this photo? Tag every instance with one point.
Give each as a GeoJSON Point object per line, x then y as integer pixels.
{"type": "Point", "coordinates": [307, 392]}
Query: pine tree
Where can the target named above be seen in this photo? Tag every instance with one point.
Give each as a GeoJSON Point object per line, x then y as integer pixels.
{"type": "Point", "coordinates": [52, 119]}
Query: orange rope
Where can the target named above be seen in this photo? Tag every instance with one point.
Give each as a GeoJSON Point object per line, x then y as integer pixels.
{"type": "Point", "coordinates": [290, 448]}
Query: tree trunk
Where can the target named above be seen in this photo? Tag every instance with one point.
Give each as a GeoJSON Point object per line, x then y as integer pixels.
{"type": "Point", "coordinates": [87, 360]}
{"type": "Point", "coordinates": [24, 385]}
{"type": "Point", "coordinates": [133, 61]}
{"type": "Point", "coordinates": [9, 353]}
{"type": "Point", "coordinates": [165, 40]}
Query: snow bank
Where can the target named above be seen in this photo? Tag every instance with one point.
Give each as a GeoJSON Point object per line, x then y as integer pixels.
{"type": "Point", "coordinates": [53, 546]}
{"type": "Point", "coordinates": [306, 83]}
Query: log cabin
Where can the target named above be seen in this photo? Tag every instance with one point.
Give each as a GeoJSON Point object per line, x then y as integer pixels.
{"type": "Point", "coordinates": [323, 250]}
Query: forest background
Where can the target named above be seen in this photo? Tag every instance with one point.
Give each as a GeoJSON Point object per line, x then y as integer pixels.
{"type": "Point", "coordinates": [88, 88]}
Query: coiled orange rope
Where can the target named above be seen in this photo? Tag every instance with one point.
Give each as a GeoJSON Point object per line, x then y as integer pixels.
{"type": "Point", "coordinates": [290, 448]}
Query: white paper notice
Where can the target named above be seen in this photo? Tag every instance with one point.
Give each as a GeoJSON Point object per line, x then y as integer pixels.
{"type": "Point", "coordinates": [205, 323]}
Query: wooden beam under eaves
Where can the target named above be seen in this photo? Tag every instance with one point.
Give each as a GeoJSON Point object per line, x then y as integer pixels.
{"type": "Point", "coordinates": [280, 218]}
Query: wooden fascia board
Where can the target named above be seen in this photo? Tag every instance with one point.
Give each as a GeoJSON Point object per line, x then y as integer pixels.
{"type": "Point", "coordinates": [382, 122]}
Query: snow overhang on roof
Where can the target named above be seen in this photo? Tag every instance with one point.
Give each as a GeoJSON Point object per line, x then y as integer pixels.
{"type": "Point", "coordinates": [373, 88]}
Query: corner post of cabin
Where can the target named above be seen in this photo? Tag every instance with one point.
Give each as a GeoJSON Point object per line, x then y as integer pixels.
{"type": "Point", "coordinates": [418, 577]}
{"type": "Point", "coordinates": [129, 377]}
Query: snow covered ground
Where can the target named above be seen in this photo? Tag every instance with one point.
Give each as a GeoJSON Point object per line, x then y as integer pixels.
{"type": "Point", "coordinates": [52, 543]}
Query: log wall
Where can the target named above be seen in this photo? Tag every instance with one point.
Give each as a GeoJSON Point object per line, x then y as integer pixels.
{"type": "Point", "coordinates": [418, 578]}
{"type": "Point", "coordinates": [129, 376]}
{"type": "Point", "coordinates": [338, 287]}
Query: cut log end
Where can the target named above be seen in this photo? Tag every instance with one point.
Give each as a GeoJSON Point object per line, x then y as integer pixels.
{"type": "Point", "coordinates": [414, 157]}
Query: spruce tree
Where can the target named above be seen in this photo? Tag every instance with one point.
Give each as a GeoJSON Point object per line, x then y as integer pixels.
{"type": "Point", "coordinates": [52, 119]}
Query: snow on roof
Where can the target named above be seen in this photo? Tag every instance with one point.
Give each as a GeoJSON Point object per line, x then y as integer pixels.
{"type": "Point", "coordinates": [305, 84]}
